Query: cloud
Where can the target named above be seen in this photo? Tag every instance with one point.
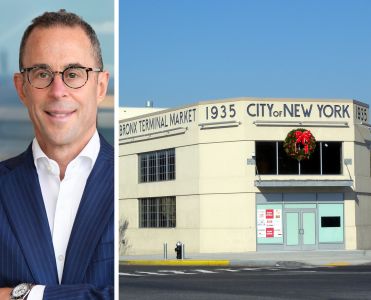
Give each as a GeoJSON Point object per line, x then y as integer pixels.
{"type": "Point", "coordinates": [105, 27]}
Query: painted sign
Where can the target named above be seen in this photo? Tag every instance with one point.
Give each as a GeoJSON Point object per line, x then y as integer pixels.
{"type": "Point", "coordinates": [269, 223]}
{"type": "Point", "coordinates": [158, 122]}
{"type": "Point", "coordinates": [279, 110]}
{"type": "Point", "coordinates": [239, 111]}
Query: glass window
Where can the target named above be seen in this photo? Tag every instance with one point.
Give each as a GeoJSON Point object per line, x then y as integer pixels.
{"type": "Point", "coordinates": [266, 157]}
{"type": "Point", "coordinates": [312, 165]}
{"type": "Point", "coordinates": [161, 165]}
{"type": "Point", "coordinates": [326, 159]}
{"type": "Point", "coordinates": [157, 166]}
{"type": "Point", "coordinates": [171, 164]}
{"type": "Point", "coordinates": [143, 168]}
{"type": "Point", "coordinates": [269, 224]}
{"type": "Point", "coordinates": [152, 170]}
{"type": "Point", "coordinates": [331, 158]}
{"type": "Point", "coordinates": [157, 212]}
{"type": "Point", "coordinates": [331, 223]}
{"type": "Point", "coordinates": [286, 164]}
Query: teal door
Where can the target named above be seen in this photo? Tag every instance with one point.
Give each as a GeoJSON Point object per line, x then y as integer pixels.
{"type": "Point", "coordinates": [300, 229]}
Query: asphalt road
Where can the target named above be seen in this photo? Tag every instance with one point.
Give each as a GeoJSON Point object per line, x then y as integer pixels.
{"type": "Point", "coordinates": [216, 283]}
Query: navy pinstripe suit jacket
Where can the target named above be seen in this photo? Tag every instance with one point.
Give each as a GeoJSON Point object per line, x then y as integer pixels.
{"type": "Point", "coordinates": [26, 248]}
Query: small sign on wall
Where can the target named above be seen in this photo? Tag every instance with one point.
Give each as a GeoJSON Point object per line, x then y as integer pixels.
{"type": "Point", "coordinates": [269, 223]}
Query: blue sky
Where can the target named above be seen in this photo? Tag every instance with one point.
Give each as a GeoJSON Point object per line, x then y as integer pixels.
{"type": "Point", "coordinates": [176, 52]}
{"type": "Point", "coordinates": [17, 15]}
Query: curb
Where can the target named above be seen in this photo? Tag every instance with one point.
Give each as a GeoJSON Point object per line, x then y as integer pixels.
{"type": "Point", "coordinates": [338, 264]}
{"type": "Point", "coordinates": [268, 264]}
{"type": "Point", "coordinates": [175, 262]}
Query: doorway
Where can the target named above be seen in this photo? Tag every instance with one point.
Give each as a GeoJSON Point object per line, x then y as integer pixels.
{"type": "Point", "coordinates": [300, 229]}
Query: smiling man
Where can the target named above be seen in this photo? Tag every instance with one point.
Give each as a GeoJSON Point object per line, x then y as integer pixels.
{"type": "Point", "coordinates": [56, 198]}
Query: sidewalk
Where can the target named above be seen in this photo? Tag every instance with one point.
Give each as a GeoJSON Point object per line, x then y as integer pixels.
{"type": "Point", "coordinates": [257, 259]}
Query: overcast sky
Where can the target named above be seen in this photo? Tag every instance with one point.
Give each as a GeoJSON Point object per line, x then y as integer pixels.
{"type": "Point", "coordinates": [17, 15]}
{"type": "Point", "coordinates": [177, 52]}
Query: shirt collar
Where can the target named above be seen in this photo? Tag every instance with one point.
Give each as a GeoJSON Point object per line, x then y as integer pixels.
{"type": "Point", "coordinates": [90, 151]}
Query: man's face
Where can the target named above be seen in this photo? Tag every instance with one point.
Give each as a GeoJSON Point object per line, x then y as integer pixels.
{"type": "Point", "coordinates": [61, 116]}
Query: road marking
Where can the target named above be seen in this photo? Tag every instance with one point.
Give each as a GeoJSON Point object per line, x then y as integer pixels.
{"type": "Point", "coordinates": [303, 271]}
{"type": "Point", "coordinates": [176, 272]}
{"type": "Point", "coordinates": [205, 271]}
{"type": "Point", "coordinates": [152, 273]}
{"type": "Point", "coordinates": [216, 271]}
{"type": "Point", "coordinates": [129, 274]}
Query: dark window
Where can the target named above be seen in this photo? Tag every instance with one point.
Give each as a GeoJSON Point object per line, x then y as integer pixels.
{"type": "Point", "coordinates": [330, 221]}
{"type": "Point", "coordinates": [326, 159]}
{"type": "Point", "coordinates": [157, 212]}
{"type": "Point", "coordinates": [286, 164]}
{"type": "Point", "coordinates": [312, 165]}
{"type": "Point", "coordinates": [266, 162]}
{"type": "Point", "coordinates": [331, 157]}
{"type": "Point", "coordinates": [157, 166]}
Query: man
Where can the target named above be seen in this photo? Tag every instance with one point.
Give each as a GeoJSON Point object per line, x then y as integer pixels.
{"type": "Point", "coordinates": [56, 199]}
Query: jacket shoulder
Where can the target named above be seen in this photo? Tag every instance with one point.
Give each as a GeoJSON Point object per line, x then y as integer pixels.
{"type": "Point", "coordinates": [106, 150]}
{"type": "Point", "coordinates": [10, 164]}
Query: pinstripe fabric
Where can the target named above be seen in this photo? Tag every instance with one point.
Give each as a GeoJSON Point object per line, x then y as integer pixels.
{"type": "Point", "coordinates": [26, 249]}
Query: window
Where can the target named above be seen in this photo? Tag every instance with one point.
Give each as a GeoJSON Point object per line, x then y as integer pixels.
{"type": "Point", "coordinates": [266, 158]}
{"type": "Point", "coordinates": [331, 154]}
{"type": "Point", "coordinates": [330, 221]}
{"type": "Point", "coordinates": [286, 165]}
{"type": "Point", "coordinates": [157, 166]}
{"type": "Point", "coordinates": [272, 159]}
{"type": "Point", "coordinates": [158, 212]}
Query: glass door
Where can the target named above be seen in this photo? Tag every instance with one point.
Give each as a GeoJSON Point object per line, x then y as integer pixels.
{"type": "Point", "coordinates": [300, 229]}
{"type": "Point", "coordinates": [308, 233]}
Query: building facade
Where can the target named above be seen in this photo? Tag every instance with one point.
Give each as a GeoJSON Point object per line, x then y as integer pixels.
{"type": "Point", "coordinates": [218, 176]}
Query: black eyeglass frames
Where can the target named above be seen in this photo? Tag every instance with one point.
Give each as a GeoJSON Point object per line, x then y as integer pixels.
{"type": "Point", "coordinates": [75, 77]}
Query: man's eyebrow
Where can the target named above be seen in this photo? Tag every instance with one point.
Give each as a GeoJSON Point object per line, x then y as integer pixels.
{"type": "Point", "coordinates": [42, 66]}
{"type": "Point", "coordinates": [46, 66]}
{"type": "Point", "coordinates": [74, 65]}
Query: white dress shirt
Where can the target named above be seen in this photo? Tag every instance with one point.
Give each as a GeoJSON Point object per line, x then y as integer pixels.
{"type": "Point", "coordinates": [62, 198]}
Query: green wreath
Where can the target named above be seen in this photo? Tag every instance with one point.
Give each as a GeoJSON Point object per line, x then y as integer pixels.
{"type": "Point", "coordinates": [299, 144]}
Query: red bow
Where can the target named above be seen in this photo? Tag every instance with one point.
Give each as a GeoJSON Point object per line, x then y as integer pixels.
{"type": "Point", "coordinates": [303, 137]}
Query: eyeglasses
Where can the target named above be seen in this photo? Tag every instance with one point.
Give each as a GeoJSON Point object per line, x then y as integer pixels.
{"type": "Point", "coordinates": [41, 77]}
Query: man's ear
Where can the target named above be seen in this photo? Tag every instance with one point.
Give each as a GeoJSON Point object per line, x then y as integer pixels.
{"type": "Point", "coordinates": [19, 86]}
{"type": "Point", "coordinates": [103, 78]}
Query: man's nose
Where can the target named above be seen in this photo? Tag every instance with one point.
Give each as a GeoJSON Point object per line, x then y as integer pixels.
{"type": "Point", "coordinates": [58, 88]}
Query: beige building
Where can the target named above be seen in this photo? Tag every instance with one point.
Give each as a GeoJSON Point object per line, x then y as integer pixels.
{"type": "Point", "coordinates": [215, 175]}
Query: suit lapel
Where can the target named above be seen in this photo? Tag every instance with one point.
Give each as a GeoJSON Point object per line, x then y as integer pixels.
{"type": "Point", "coordinates": [94, 213]}
{"type": "Point", "coordinates": [27, 216]}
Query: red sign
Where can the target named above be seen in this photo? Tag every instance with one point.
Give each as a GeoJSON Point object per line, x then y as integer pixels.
{"type": "Point", "coordinates": [269, 214]}
{"type": "Point", "coordinates": [269, 232]}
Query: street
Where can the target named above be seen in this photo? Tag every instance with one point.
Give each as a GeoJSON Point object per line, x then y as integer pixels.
{"type": "Point", "coordinates": [217, 283]}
